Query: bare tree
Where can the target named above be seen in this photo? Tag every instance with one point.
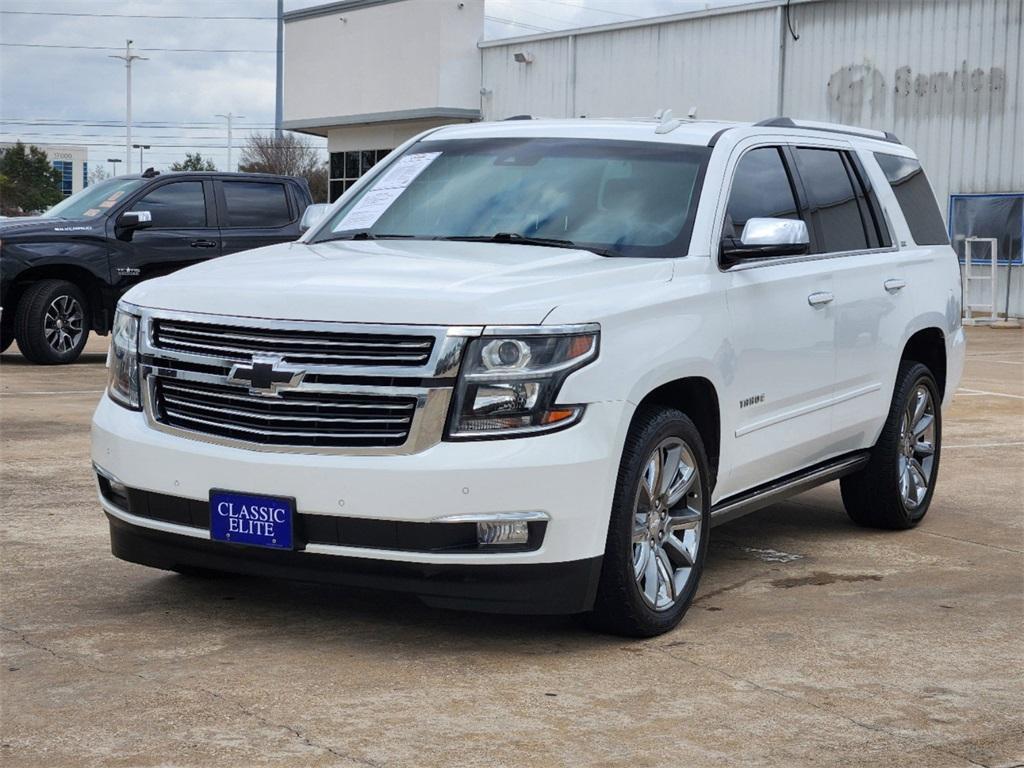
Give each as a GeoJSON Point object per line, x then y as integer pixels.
{"type": "Point", "coordinates": [291, 155]}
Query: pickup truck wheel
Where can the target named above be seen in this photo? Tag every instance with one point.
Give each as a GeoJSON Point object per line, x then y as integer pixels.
{"type": "Point", "coordinates": [659, 526]}
{"type": "Point", "coordinates": [895, 489]}
{"type": "Point", "coordinates": [51, 322]}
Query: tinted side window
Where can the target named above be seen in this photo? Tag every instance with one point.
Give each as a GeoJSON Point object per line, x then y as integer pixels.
{"type": "Point", "coordinates": [914, 194]}
{"type": "Point", "coordinates": [181, 205]}
{"type": "Point", "coordinates": [256, 204]}
{"type": "Point", "coordinates": [760, 189]}
{"type": "Point", "coordinates": [832, 199]}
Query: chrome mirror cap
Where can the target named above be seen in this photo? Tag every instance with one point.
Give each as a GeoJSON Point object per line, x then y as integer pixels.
{"type": "Point", "coordinates": [313, 215]}
{"type": "Point", "coordinates": [775, 232]}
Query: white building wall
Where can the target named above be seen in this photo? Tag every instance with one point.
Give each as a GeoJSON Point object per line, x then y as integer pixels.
{"type": "Point", "coordinates": [359, 62]}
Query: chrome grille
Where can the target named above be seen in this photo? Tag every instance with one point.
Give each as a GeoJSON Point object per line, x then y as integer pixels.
{"type": "Point", "coordinates": [313, 419]}
{"type": "Point", "coordinates": [304, 347]}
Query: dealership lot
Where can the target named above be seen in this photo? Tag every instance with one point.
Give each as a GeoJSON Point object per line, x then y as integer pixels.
{"type": "Point", "coordinates": [811, 642]}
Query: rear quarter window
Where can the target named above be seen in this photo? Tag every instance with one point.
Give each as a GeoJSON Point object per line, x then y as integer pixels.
{"type": "Point", "coordinates": [916, 199]}
{"type": "Point", "coordinates": [256, 204]}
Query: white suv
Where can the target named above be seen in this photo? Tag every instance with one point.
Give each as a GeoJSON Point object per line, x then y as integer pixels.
{"type": "Point", "coordinates": [526, 366]}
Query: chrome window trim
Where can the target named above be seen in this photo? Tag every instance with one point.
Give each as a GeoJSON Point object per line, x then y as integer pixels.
{"type": "Point", "coordinates": [769, 262]}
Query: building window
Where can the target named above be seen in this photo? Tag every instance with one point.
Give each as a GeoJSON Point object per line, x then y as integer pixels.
{"type": "Point", "coordinates": [85, 174]}
{"type": "Point", "coordinates": [347, 167]}
{"type": "Point", "coordinates": [66, 168]}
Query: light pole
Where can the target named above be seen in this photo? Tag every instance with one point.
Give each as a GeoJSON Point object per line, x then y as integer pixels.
{"type": "Point", "coordinates": [113, 164]}
{"type": "Point", "coordinates": [128, 58]}
{"type": "Point", "coordinates": [230, 116]}
{"type": "Point", "coordinates": [140, 147]}
{"type": "Point", "coordinates": [278, 106]}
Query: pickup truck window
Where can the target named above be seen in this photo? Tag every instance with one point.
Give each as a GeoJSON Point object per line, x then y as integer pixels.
{"type": "Point", "coordinates": [617, 197]}
{"type": "Point", "coordinates": [914, 194]}
{"type": "Point", "coordinates": [180, 205]}
{"type": "Point", "coordinates": [256, 204]}
{"type": "Point", "coordinates": [95, 200]}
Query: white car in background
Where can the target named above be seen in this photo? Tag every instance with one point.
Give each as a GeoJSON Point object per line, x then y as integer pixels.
{"type": "Point", "coordinates": [526, 366]}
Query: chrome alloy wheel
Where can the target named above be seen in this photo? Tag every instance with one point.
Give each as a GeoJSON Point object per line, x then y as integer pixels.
{"type": "Point", "coordinates": [667, 518]}
{"type": "Point", "coordinates": [916, 454]}
{"type": "Point", "coordinates": [63, 324]}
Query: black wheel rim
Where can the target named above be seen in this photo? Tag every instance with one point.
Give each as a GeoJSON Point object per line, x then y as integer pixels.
{"type": "Point", "coordinates": [64, 324]}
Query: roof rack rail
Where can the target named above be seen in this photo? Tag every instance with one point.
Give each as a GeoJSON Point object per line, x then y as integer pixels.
{"type": "Point", "coordinates": [518, 117]}
{"type": "Point", "coordinates": [852, 130]}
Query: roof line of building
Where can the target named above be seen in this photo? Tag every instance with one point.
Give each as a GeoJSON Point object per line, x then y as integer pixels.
{"type": "Point", "coordinates": [454, 113]}
{"type": "Point", "coordinates": [757, 5]}
{"type": "Point", "coordinates": [332, 8]}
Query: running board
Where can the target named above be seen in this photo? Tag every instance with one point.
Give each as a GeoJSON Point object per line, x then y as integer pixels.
{"type": "Point", "coordinates": [790, 485]}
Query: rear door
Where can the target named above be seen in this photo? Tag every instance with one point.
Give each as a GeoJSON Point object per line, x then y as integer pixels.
{"type": "Point", "coordinates": [779, 347]}
{"type": "Point", "coordinates": [184, 230]}
{"type": "Point", "coordinates": [256, 212]}
{"type": "Point", "coordinates": [872, 308]}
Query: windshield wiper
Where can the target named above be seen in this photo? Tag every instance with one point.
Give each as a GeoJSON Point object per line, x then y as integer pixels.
{"type": "Point", "coordinates": [365, 235]}
{"type": "Point", "coordinates": [518, 239]}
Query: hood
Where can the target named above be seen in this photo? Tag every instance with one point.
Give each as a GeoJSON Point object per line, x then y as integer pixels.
{"type": "Point", "coordinates": [414, 282]}
{"type": "Point", "coordinates": [35, 226]}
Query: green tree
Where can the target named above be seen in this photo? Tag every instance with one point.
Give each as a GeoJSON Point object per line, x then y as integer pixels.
{"type": "Point", "coordinates": [28, 182]}
{"type": "Point", "coordinates": [194, 162]}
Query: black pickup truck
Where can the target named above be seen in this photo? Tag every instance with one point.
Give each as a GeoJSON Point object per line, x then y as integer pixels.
{"type": "Point", "coordinates": [62, 273]}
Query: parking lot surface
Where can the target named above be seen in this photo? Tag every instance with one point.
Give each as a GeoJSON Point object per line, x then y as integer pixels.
{"type": "Point", "coordinates": [811, 641]}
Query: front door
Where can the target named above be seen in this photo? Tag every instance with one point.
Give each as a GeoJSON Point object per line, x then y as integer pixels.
{"type": "Point", "coordinates": [781, 336]}
{"type": "Point", "coordinates": [184, 231]}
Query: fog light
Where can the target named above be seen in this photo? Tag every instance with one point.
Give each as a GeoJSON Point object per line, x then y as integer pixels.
{"type": "Point", "coordinates": [499, 533]}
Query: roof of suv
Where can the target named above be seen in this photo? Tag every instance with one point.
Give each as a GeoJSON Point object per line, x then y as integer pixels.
{"type": "Point", "coordinates": [672, 130]}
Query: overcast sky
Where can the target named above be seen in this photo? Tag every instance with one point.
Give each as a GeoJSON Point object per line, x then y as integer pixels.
{"type": "Point", "coordinates": [58, 84]}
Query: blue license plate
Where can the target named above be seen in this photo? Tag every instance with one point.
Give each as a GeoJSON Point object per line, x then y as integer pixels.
{"type": "Point", "coordinates": [244, 518]}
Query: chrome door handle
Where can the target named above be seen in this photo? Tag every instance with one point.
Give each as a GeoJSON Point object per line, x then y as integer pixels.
{"type": "Point", "coordinates": [203, 244]}
{"type": "Point", "coordinates": [820, 298]}
{"type": "Point", "coordinates": [894, 284]}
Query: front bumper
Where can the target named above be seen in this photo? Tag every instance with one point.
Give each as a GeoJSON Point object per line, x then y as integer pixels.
{"type": "Point", "coordinates": [555, 588]}
{"type": "Point", "coordinates": [569, 476]}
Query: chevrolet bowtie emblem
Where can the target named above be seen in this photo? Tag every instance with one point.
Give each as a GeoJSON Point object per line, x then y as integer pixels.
{"type": "Point", "coordinates": [266, 375]}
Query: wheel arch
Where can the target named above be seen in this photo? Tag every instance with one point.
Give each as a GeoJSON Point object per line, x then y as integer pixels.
{"type": "Point", "coordinates": [81, 277]}
{"type": "Point", "coordinates": [928, 347]}
{"type": "Point", "coordinates": [697, 397]}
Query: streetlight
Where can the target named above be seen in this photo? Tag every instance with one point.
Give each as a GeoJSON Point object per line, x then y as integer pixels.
{"type": "Point", "coordinates": [229, 117]}
{"type": "Point", "coordinates": [128, 58]}
{"type": "Point", "coordinates": [140, 147]}
{"type": "Point", "coordinates": [113, 167]}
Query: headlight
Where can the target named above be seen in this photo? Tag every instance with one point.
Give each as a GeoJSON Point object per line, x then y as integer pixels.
{"type": "Point", "coordinates": [123, 361]}
{"type": "Point", "coordinates": [510, 381]}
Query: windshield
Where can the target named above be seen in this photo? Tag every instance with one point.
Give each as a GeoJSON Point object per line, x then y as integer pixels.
{"type": "Point", "coordinates": [94, 200]}
{"type": "Point", "coordinates": [616, 197]}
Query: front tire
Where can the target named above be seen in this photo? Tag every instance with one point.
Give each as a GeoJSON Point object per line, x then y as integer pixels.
{"type": "Point", "coordinates": [895, 489]}
{"type": "Point", "coordinates": [658, 532]}
{"type": "Point", "coordinates": [52, 322]}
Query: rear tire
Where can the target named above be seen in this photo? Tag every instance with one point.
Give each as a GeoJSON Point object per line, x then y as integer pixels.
{"type": "Point", "coordinates": [658, 532]}
{"type": "Point", "coordinates": [52, 322]}
{"type": "Point", "coordinates": [895, 489]}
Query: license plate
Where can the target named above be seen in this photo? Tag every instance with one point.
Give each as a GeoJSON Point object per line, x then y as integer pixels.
{"type": "Point", "coordinates": [244, 518]}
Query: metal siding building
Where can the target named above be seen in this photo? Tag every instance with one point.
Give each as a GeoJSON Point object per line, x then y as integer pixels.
{"type": "Point", "coordinates": [944, 75]}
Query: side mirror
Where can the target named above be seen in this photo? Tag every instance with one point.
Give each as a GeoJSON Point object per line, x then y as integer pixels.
{"type": "Point", "coordinates": [766, 238]}
{"type": "Point", "coordinates": [131, 220]}
{"type": "Point", "coordinates": [313, 215]}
